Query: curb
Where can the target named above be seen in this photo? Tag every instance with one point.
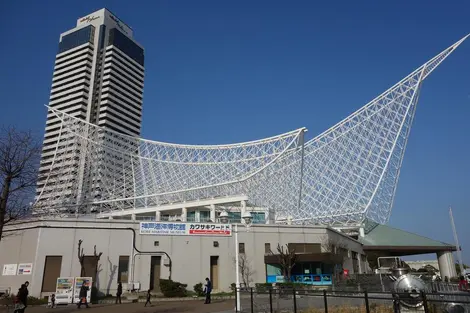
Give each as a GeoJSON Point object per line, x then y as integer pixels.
{"type": "Point", "coordinates": [113, 301]}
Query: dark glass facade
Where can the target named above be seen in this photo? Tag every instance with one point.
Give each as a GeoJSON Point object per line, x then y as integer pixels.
{"type": "Point", "coordinates": [102, 36]}
{"type": "Point", "coordinates": [123, 43]}
{"type": "Point", "coordinates": [77, 38]}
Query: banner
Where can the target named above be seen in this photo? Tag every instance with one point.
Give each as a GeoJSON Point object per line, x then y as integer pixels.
{"type": "Point", "coordinates": [64, 290]}
{"type": "Point", "coordinates": [79, 281]}
{"type": "Point", "coordinates": [9, 269]}
{"type": "Point", "coordinates": [185, 229]}
{"type": "Point", "coordinates": [25, 268]}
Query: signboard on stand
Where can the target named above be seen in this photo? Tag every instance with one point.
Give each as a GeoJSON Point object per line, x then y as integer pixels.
{"type": "Point", "coordinates": [79, 281]}
{"type": "Point", "coordinates": [64, 290]}
{"type": "Point", "coordinates": [9, 269]}
{"type": "Point", "coordinates": [185, 229]}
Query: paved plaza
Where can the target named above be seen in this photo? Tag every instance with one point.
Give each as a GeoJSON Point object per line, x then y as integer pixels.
{"type": "Point", "coordinates": [158, 307]}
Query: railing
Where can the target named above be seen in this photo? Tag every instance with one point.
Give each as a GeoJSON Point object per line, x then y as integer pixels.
{"type": "Point", "coordinates": [292, 300]}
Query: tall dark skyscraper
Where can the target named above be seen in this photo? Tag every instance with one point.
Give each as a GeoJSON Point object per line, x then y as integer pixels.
{"type": "Point", "coordinates": [98, 78]}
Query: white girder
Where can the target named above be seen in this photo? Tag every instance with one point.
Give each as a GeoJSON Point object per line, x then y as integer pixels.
{"type": "Point", "coordinates": [342, 176]}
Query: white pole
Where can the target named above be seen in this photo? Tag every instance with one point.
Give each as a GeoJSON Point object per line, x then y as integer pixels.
{"type": "Point", "coordinates": [456, 238]}
{"type": "Point", "coordinates": [237, 274]}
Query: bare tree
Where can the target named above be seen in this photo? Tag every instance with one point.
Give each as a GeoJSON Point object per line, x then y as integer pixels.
{"type": "Point", "coordinates": [95, 261]}
{"type": "Point", "coordinates": [287, 259]}
{"type": "Point", "coordinates": [19, 158]}
{"type": "Point", "coordinates": [245, 268]}
{"type": "Point", "coordinates": [81, 258]}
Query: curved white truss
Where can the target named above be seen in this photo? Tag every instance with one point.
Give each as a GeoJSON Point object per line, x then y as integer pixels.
{"type": "Point", "coordinates": [342, 176]}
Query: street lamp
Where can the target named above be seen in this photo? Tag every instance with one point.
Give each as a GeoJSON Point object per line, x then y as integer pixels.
{"type": "Point", "coordinates": [248, 218]}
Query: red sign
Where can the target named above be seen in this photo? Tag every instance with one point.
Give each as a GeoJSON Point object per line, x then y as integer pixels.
{"type": "Point", "coordinates": [209, 232]}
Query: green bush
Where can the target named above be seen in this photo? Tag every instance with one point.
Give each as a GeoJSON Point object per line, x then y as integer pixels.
{"type": "Point", "coordinates": [263, 287]}
{"type": "Point", "coordinates": [172, 289]}
{"type": "Point", "coordinates": [233, 287]}
{"type": "Point", "coordinates": [31, 300]}
{"type": "Point", "coordinates": [198, 290]}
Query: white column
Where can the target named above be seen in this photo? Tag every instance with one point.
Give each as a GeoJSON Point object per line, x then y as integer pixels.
{"type": "Point", "coordinates": [133, 217]}
{"type": "Point", "coordinates": [110, 217]}
{"type": "Point", "coordinates": [242, 209]}
{"type": "Point", "coordinates": [237, 269]}
{"type": "Point", "coordinates": [158, 216]}
{"type": "Point", "coordinates": [212, 213]}
{"type": "Point", "coordinates": [361, 232]}
{"type": "Point", "coordinates": [446, 264]}
{"type": "Point", "coordinates": [184, 214]}
{"type": "Point", "coordinates": [197, 216]}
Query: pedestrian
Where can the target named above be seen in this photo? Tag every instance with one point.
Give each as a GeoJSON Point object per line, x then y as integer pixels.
{"type": "Point", "coordinates": [463, 284]}
{"type": "Point", "coordinates": [19, 305]}
{"type": "Point", "coordinates": [83, 295]}
{"type": "Point", "coordinates": [148, 298]}
{"type": "Point", "coordinates": [119, 293]}
{"type": "Point", "coordinates": [24, 293]}
{"type": "Point", "coordinates": [208, 290]}
{"type": "Point", "coordinates": [52, 301]}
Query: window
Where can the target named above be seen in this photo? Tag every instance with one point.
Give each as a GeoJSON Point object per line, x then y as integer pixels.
{"type": "Point", "coordinates": [77, 38]}
{"type": "Point", "coordinates": [125, 44]}
{"type": "Point", "coordinates": [241, 247]}
{"type": "Point", "coordinates": [267, 248]}
{"type": "Point", "coordinates": [156, 243]}
{"type": "Point", "coordinates": [305, 247]}
{"type": "Point", "coordinates": [216, 244]}
{"type": "Point", "coordinates": [123, 270]}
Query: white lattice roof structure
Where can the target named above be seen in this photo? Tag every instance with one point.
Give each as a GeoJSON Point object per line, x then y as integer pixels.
{"type": "Point", "coordinates": [341, 177]}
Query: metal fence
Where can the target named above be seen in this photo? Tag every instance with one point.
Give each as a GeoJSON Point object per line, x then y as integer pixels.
{"type": "Point", "coordinates": [291, 300]}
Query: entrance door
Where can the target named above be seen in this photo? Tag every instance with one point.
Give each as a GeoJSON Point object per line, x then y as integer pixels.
{"type": "Point", "coordinates": [215, 272]}
{"type": "Point", "coordinates": [155, 262]}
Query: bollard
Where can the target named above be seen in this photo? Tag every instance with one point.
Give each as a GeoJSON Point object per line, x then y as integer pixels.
{"type": "Point", "coordinates": [425, 302]}
{"type": "Point", "coordinates": [295, 300]}
{"type": "Point", "coordinates": [366, 299]}
{"type": "Point", "coordinates": [252, 304]}
{"type": "Point", "coordinates": [236, 300]}
{"type": "Point", "coordinates": [270, 300]}
{"type": "Point", "coordinates": [325, 300]}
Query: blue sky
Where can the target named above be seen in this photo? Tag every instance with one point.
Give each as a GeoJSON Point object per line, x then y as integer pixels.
{"type": "Point", "coordinates": [231, 71]}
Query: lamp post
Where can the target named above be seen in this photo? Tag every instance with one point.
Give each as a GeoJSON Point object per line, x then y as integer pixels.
{"type": "Point", "coordinates": [248, 218]}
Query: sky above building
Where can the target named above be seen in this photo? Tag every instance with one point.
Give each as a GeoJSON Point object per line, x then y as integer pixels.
{"type": "Point", "coordinates": [223, 72]}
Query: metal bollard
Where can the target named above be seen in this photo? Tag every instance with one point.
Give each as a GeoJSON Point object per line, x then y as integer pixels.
{"type": "Point", "coordinates": [270, 300]}
{"type": "Point", "coordinates": [252, 304]}
{"type": "Point", "coordinates": [325, 300]}
{"type": "Point", "coordinates": [295, 300]}
{"type": "Point", "coordinates": [366, 299]}
{"type": "Point", "coordinates": [236, 300]}
{"type": "Point", "coordinates": [425, 302]}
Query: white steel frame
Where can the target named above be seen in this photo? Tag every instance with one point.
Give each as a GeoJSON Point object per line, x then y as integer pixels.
{"type": "Point", "coordinates": [341, 177]}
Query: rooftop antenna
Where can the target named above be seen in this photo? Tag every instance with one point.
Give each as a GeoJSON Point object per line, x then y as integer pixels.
{"type": "Point", "coordinates": [456, 239]}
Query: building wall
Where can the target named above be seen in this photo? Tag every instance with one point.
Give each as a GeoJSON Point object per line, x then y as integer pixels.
{"type": "Point", "coordinates": [190, 254]}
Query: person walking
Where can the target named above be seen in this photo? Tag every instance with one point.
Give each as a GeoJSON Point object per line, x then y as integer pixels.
{"type": "Point", "coordinates": [119, 293]}
{"type": "Point", "coordinates": [23, 296]}
{"type": "Point", "coordinates": [148, 298]}
{"type": "Point", "coordinates": [208, 290]}
{"type": "Point", "coordinates": [463, 284]}
{"type": "Point", "coordinates": [52, 301]}
{"type": "Point", "coordinates": [83, 295]}
{"type": "Point", "coordinates": [19, 306]}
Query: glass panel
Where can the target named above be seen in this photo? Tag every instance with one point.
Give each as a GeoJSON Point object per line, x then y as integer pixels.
{"type": "Point", "coordinates": [77, 38]}
{"type": "Point", "coordinates": [126, 45]}
{"type": "Point", "coordinates": [123, 270]}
